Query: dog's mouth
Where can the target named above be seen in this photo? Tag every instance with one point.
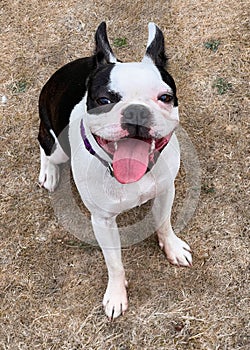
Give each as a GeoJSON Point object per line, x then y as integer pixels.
{"type": "Point", "coordinates": [132, 156]}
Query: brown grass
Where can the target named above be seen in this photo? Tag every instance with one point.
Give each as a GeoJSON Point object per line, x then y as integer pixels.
{"type": "Point", "coordinates": [51, 285]}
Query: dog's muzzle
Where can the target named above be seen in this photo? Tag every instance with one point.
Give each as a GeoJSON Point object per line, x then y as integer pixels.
{"type": "Point", "coordinates": [134, 154]}
{"type": "Point", "coordinates": [136, 119]}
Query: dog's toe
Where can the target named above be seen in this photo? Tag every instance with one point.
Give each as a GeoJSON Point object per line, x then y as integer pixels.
{"type": "Point", "coordinates": [177, 251]}
{"type": "Point", "coordinates": [115, 302]}
{"type": "Point", "coordinates": [49, 179]}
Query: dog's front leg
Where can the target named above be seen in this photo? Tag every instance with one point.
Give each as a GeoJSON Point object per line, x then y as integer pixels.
{"type": "Point", "coordinates": [115, 299]}
{"type": "Point", "coordinates": [177, 251]}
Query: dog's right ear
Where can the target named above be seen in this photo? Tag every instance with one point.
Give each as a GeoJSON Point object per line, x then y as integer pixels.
{"type": "Point", "coordinates": [103, 51]}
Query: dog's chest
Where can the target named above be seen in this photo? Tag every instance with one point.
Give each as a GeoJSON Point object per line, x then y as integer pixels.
{"type": "Point", "coordinates": [132, 194]}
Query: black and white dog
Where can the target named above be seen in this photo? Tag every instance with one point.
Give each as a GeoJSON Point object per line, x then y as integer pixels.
{"type": "Point", "coordinates": [119, 120]}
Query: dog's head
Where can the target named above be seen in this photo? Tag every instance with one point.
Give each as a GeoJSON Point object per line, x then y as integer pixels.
{"type": "Point", "coordinates": [132, 108]}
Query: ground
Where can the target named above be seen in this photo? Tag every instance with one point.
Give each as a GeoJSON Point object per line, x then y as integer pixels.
{"type": "Point", "coordinates": [51, 283]}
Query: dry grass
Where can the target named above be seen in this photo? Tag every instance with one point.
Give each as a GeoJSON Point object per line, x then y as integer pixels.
{"type": "Point", "coordinates": [51, 285]}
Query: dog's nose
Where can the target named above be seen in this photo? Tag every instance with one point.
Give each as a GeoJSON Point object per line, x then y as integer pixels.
{"type": "Point", "coordinates": [136, 114]}
{"type": "Point", "coordinates": [136, 119]}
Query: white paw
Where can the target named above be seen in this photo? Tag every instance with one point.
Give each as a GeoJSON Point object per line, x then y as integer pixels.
{"type": "Point", "coordinates": [115, 300]}
{"type": "Point", "coordinates": [177, 251]}
{"type": "Point", "coordinates": [49, 177]}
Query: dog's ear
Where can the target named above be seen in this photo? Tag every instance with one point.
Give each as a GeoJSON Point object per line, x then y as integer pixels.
{"type": "Point", "coordinates": [155, 47]}
{"type": "Point", "coordinates": [103, 51]}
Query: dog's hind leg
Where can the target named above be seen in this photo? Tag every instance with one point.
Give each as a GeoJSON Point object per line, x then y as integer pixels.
{"type": "Point", "coordinates": [51, 155]}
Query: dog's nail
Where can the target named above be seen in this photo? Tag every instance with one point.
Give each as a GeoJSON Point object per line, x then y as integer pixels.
{"type": "Point", "coordinates": [189, 262]}
{"type": "Point", "coordinates": [188, 250]}
{"type": "Point", "coordinates": [41, 184]}
{"type": "Point", "coordinates": [112, 315]}
{"type": "Point", "coordinates": [178, 262]}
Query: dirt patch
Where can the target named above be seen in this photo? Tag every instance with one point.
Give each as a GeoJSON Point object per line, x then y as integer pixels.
{"type": "Point", "coordinates": [51, 284]}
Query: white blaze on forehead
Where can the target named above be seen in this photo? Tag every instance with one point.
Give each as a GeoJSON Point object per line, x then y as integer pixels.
{"type": "Point", "coordinates": [137, 80]}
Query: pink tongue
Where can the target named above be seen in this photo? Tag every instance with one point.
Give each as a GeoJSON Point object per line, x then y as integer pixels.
{"type": "Point", "coordinates": [130, 160]}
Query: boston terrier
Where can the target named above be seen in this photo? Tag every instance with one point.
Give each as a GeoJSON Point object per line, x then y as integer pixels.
{"type": "Point", "coordinates": [116, 123]}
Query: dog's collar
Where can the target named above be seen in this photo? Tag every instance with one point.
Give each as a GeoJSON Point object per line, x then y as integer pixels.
{"type": "Point", "coordinates": [90, 149]}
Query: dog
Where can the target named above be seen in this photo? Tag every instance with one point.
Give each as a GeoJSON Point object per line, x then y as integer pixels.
{"type": "Point", "coordinates": [118, 121]}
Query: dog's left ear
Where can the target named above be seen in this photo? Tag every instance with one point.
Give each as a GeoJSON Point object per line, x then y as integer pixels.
{"type": "Point", "coordinates": [103, 51]}
{"type": "Point", "coordinates": [155, 47]}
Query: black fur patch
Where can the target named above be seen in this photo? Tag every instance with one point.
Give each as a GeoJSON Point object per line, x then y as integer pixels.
{"type": "Point", "coordinates": [103, 49]}
{"type": "Point", "coordinates": [168, 79]}
{"type": "Point", "coordinates": [156, 50]}
{"type": "Point", "coordinates": [45, 139]}
{"type": "Point", "coordinates": [60, 94]}
{"type": "Point", "coordinates": [99, 87]}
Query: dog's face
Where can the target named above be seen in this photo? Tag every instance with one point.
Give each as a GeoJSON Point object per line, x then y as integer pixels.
{"type": "Point", "coordinates": [132, 108]}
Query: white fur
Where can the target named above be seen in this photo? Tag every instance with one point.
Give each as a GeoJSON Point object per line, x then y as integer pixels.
{"type": "Point", "coordinates": [151, 36]}
{"type": "Point", "coordinates": [112, 58]}
{"type": "Point", "coordinates": [151, 33]}
{"type": "Point", "coordinates": [137, 81]}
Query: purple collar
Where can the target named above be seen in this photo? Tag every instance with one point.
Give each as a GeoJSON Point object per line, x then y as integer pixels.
{"type": "Point", "coordinates": [91, 151]}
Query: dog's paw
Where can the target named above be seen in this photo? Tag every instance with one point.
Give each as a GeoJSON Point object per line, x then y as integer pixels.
{"type": "Point", "coordinates": [177, 251]}
{"type": "Point", "coordinates": [49, 177]}
{"type": "Point", "coordinates": [115, 300]}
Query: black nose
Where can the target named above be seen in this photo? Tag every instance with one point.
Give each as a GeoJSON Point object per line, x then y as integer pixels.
{"type": "Point", "coordinates": [136, 120]}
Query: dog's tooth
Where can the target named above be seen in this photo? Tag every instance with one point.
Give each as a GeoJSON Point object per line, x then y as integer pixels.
{"type": "Point", "coordinates": [152, 148]}
{"type": "Point", "coordinates": [116, 146]}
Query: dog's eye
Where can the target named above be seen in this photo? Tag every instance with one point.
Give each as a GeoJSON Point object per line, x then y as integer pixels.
{"type": "Point", "coordinates": [103, 101]}
{"type": "Point", "coordinates": [165, 98]}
